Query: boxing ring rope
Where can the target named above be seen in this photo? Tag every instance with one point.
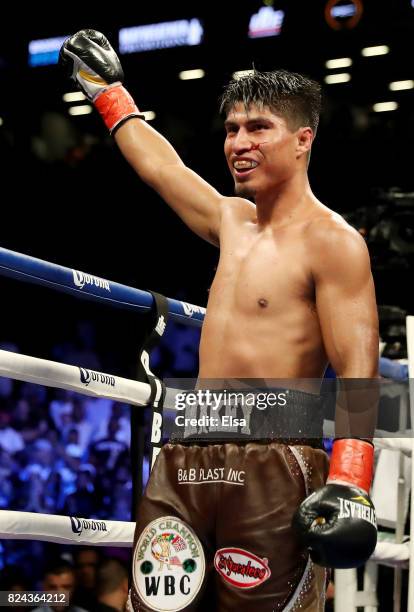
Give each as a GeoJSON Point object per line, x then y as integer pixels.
{"type": "Point", "coordinates": [61, 529]}
{"type": "Point", "coordinates": [73, 378]}
{"type": "Point", "coordinates": [82, 380]}
{"type": "Point", "coordinates": [16, 525]}
{"type": "Point", "coordinates": [90, 287]}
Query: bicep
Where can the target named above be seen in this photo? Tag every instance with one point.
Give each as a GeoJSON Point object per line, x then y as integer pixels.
{"type": "Point", "coordinates": [346, 305]}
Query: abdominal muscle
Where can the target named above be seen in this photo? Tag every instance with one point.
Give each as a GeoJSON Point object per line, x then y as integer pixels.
{"type": "Point", "coordinates": [238, 346]}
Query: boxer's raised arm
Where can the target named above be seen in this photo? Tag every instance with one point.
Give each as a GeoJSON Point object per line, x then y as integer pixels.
{"type": "Point", "coordinates": [157, 163]}
{"type": "Point", "coordinates": [95, 67]}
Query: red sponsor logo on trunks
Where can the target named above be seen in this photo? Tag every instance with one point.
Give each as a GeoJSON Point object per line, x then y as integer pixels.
{"type": "Point", "coordinates": [241, 568]}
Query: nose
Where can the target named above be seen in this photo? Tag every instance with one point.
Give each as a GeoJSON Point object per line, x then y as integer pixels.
{"type": "Point", "coordinates": [241, 142]}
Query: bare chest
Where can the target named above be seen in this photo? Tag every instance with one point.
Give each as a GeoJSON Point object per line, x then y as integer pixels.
{"type": "Point", "coordinates": [262, 272]}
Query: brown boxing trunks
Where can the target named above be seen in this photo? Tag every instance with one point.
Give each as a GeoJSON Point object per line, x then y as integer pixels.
{"type": "Point", "coordinates": [214, 532]}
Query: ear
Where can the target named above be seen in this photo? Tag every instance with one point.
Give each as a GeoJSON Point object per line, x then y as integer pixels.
{"type": "Point", "coordinates": [304, 142]}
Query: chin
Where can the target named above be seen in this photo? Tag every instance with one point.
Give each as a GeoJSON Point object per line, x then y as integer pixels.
{"type": "Point", "coordinates": [244, 191]}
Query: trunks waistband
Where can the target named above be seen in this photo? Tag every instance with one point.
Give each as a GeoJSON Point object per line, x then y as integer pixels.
{"type": "Point", "coordinates": [287, 416]}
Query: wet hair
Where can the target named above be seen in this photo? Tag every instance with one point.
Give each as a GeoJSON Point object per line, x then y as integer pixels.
{"type": "Point", "coordinates": [292, 95]}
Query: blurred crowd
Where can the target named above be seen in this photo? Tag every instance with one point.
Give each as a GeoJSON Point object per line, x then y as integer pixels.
{"type": "Point", "coordinates": [92, 580]}
{"type": "Point", "coordinates": [65, 453]}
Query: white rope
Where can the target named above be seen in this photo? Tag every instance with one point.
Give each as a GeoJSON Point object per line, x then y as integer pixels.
{"type": "Point", "coordinates": [62, 376]}
{"type": "Point", "coordinates": [403, 445]}
{"type": "Point", "coordinates": [65, 529]}
{"type": "Point", "coordinates": [98, 532]}
{"type": "Point", "coordinates": [392, 554]}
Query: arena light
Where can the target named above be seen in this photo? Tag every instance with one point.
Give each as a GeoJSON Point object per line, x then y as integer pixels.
{"type": "Point", "coordinates": [83, 109]}
{"type": "Point", "coordinates": [45, 51]}
{"type": "Point", "coordinates": [340, 62]}
{"type": "Point", "coordinates": [343, 15]}
{"type": "Point", "coordinates": [266, 22]}
{"type": "Point", "coordinates": [401, 85]}
{"type": "Point", "coordinates": [341, 77]}
{"type": "Point", "coordinates": [74, 96]}
{"type": "Point", "coordinates": [160, 35]}
{"type": "Point", "coordinates": [149, 115]}
{"type": "Point", "coordinates": [239, 74]}
{"type": "Point", "coordinates": [188, 75]}
{"type": "Point", "coordinates": [377, 50]}
{"type": "Point", "coordinates": [382, 107]}
{"type": "Point", "coordinates": [344, 10]}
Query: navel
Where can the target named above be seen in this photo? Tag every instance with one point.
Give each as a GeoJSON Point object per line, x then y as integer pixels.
{"type": "Point", "coordinates": [263, 303]}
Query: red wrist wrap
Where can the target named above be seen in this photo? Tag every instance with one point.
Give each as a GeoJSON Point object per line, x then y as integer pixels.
{"type": "Point", "coordinates": [115, 104]}
{"type": "Point", "coordinates": [352, 462]}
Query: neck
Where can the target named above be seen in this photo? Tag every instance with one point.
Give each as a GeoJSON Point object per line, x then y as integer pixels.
{"type": "Point", "coordinates": [284, 203]}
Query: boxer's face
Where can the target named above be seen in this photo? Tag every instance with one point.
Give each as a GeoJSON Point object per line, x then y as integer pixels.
{"type": "Point", "coordinates": [261, 150]}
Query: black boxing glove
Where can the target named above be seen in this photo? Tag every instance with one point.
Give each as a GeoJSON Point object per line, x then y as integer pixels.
{"type": "Point", "coordinates": [337, 523]}
{"type": "Point", "coordinates": [95, 67]}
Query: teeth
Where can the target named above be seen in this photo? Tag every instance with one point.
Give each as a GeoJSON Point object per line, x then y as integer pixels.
{"type": "Point", "coordinates": [241, 164]}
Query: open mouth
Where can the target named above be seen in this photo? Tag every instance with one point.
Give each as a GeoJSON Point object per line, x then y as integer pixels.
{"type": "Point", "coordinates": [244, 167]}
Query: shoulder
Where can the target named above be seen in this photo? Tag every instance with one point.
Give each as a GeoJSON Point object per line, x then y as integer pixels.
{"type": "Point", "coordinates": [328, 231]}
{"type": "Point", "coordinates": [238, 207]}
{"type": "Point", "coordinates": [334, 245]}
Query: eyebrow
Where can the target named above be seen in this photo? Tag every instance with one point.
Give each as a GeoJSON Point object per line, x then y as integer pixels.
{"type": "Point", "coordinates": [250, 121]}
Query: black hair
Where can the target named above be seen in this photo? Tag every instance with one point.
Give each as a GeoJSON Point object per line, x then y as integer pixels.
{"type": "Point", "coordinates": [57, 567]}
{"type": "Point", "coordinates": [294, 96]}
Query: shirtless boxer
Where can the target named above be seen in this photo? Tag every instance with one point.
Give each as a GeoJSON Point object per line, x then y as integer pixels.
{"type": "Point", "coordinates": [293, 290]}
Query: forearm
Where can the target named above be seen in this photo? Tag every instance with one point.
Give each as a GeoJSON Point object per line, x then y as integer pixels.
{"type": "Point", "coordinates": [357, 373]}
{"type": "Point", "coordinates": [146, 150]}
{"type": "Point", "coordinates": [364, 369]}
{"type": "Point", "coordinates": [94, 65]}
{"type": "Point", "coordinates": [352, 343]}
{"type": "Point", "coordinates": [358, 357]}
{"type": "Point", "coordinates": [357, 400]}
{"type": "Point", "coordinates": [357, 409]}
{"type": "Point", "coordinates": [157, 163]}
